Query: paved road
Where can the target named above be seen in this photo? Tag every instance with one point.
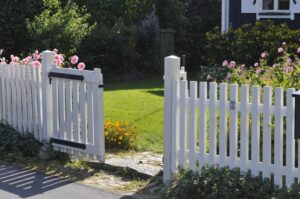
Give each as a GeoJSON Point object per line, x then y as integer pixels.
{"type": "Point", "coordinates": [21, 183]}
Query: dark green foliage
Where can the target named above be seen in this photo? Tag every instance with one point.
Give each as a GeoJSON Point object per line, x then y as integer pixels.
{"type": "Point", "coordinates": [13, 14]}
{"type": "Point", "coordinates": [121, 43]}
{"type": "Point", "coordinates": [245, 44]}
{"type": "Point", "coordinates": [201, 17]}
{"type": "Point", "coordinates": [216, 73]}
{"type": "Point", "coordinates": [12, 141]}
{"type": "Point", "coordinates": [61, 27]}
{"type": "Point", "coordinates": [213, 183]}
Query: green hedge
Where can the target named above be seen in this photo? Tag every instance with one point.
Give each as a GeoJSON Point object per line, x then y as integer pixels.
{"type": "Point", "coordinates": [245, 44]}
{"type": "Point", "coordinates": [213, 183]}
{"type": "Point", "coordinates": [12, 141]}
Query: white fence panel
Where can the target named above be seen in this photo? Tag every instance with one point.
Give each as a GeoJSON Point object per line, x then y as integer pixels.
{"type": "Point", "coordinates": [241, 131]}
{"type": "Point", "coordinates": [57, 108]}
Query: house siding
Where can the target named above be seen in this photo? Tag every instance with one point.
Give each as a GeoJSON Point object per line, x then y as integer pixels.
{"type": "Point", "coordinates": [237, 18]}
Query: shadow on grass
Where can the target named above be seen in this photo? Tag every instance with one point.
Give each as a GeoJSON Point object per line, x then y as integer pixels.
{"type": "Point", "coordinates": [152, 83]}
{"type": "Point", "coordinates": [159, 93]}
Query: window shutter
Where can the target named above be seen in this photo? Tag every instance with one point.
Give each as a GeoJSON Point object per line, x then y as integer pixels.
{"type": "Point", "coordinates": [248, 6]}
{"type": "Point", "coordinates": [295, 8]}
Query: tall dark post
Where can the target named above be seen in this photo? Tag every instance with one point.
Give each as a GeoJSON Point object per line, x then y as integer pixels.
{"type": "Point", "coordinates": [167, 44]}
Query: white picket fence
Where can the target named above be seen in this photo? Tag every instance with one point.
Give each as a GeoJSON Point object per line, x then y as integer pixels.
{"type": "Point", "coordinates": [55, 104]}
{"type": "Point", "coordinates": [211, 124]}
{"type": "Point", "coordinates": [20, 98]}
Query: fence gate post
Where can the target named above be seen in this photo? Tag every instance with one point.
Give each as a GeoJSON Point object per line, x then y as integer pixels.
{"type": "Point", "coordinates": [47, 103]}
{"type": "Point", "coordinates": [172, 72]}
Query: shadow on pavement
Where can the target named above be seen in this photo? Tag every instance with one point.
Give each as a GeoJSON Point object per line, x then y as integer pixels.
{"type": "Point", "coordinates": [26, 183]}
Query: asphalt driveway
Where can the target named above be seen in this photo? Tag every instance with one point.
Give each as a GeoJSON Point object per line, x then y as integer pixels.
{"type": "Point", "coordinates": [18, 183]}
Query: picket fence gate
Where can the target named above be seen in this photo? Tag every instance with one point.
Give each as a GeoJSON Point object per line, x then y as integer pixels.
{"type": "Point", "coordinates": [205, 126]}
{"type": "Point", "coordinates": [60, 105]}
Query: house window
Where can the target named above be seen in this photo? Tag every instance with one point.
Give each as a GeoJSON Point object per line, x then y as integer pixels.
{"type": "Point", "coordinates": [273, 5]}
{"type": "Point", "coordinates": [268, 4]}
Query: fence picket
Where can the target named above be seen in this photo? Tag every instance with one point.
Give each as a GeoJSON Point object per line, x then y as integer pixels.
{"type": "Point", "coordinates": [233, 125]}
{"type": "Point", "coordinates": [244, 127]}
{"type": "Point", "coordinates": [14, 97]}
{"type": "Point", "coordinates": [34, 102]}
{"type": "Point", "coordinates": [68, 110]}
{"type": "Point", "coordinates": [19, 99]}
{"type": "Point", "coordinates": [278, 152]}
{"type": "Point", "coordinates": [175, 126]}
{"type": "Point", "coordinates": [39, 98]}
{"type": "Point", "coordinates": [75, 108]}
{"type": "Point", "coordinates": [29, 98]}
{"type": "Point", "coordinates": [223, 124]}
{"type": "Point", "coordinates": [24, 104]}
{"type": "Point", "coordinates": [290, 140]}
{"type": "Point", "coordinates": [193, 125]}
{"type": "Point", "coordinates": [255, 130]}
{"type": "Point", "coordinates": [82, 107]}
{"type": "Point", "coordinates": [61, 105]}
{"type": "Point", "coordinates": [183, 124]}
{"type": "Point", "coordinates": [90, 120]}
{"type": "Point", "coordinates": [212, 122]}
{"type": "Point", "coordinates": [55, 109]}
{"type": "Point", "coordinates": [267, 131]}
{"type": "Point", "coordinates": [8, 97]}
{"type": "Point", "coordinates": [203, 125]}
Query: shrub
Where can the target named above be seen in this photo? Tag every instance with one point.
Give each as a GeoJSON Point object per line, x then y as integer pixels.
{"type": "Point", "coordinates": [60, 26]}
{"type": "Point", "coordinates": [119, 135]}
{"type": "Point", "coordinates": [245, 44]}
{"type": "Point", "coordinates": [214, 183]}
{"type": "Point", "coordinates": [12, 141]}
{"type": "Point", "coordinates": [283, 72]}
{"type": "Point", "coordinates": [13, 14]}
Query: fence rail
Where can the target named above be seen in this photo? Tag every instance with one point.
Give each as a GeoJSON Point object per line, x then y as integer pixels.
{"type": "Point", "coordinates": [229, 125]}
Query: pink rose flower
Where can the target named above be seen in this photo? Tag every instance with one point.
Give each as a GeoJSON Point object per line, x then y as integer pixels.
{"type": "Point", "coordinates": [263, 55]}
{"type": "Point", "coordinates": [27, 60]}
{"type": "Point", "coordinates": [36, 55]}
{"type": "Point", "coordinates": [58, 59]}
{"type": "Point", "coordinates": [232, 64]}
{"type": "Point", "coordinates": [74, 59]}
{"type": "Point", "coordinates": [298, 50]}
{"type": "Point", "coordinates": [225, 63]}
{"type": "Point", "coordinates": [3, 61]}
{"type": "Point", "coordinates": [81, 66]}
{"type": "Point", "coordinates": [258, 71]}
{"type": "Point", "coordinates": [36, 64]}
{"type": "Point", "coordinates": [280, 50]}
{"type": "Point", "coordinates": [288, 69]}
{"type": "Point", "coordinates": [274, 65]}
{"type": "Point", "coordinates": [256, 64]}
{"type": "Point", "coordinates": [228, 76]}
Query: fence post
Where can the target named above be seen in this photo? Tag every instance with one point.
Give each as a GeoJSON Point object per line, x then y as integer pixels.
{"type": "Point", "coordinates": [172, 72]}
{"type": "Point", "coordinates": [47, 104]}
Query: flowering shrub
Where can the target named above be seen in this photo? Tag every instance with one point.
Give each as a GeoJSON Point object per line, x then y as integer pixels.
{"type": "Point", "coordinates": [119, 135]}
{"type": "Point", "coordinates": [35, 60]}
{"type": "Point", "coordinates": [284, 72]}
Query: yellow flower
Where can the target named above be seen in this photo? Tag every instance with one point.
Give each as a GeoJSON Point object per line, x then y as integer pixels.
{"type": "Point", "coordinates": [120, 138]}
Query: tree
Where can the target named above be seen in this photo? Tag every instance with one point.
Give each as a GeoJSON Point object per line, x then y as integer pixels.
{"type": "Point", "coordinates": [60, 26]}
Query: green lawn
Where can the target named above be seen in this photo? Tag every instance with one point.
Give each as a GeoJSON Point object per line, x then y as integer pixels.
{"type": "Point", "coordinates": [141, 104]}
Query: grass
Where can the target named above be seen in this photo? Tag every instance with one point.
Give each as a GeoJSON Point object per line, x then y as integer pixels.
{"type": "Point", "coordinates": [141, 104]}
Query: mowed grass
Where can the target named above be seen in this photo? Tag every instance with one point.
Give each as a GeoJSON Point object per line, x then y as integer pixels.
{"type": "Point", "coordinates": [141, 104]}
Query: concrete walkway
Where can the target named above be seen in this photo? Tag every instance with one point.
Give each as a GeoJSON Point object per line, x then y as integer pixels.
{"type": "Point", "coordinates": [21, 183]}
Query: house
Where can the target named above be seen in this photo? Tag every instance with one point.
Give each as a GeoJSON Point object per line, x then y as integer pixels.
{"type": "Point", "coordinates": [238, 12]}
